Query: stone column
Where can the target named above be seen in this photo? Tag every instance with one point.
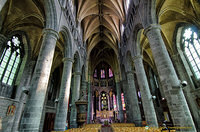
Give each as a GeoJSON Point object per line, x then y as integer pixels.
{"type": "Point", "coordinates": [147, 102]}
{"type": "Point", "coordinates": [35, 104]}
{"type": "Point", "coordinates": [119, 100]}
{"type": "Point", "coordinates": [75, 97]}
{"type": "Point", "coordinates": [189, 91]}
{"type": "Point", "coordinates": [22, 92]}
{"type": "Point", "coordinates": [128, 113]}
{"type": "Point", "coordinates": [92, 111]}
{"type": "Point", "coordinates": [83, 95]}
{"type": "Point", "coordinates": [108, 101]}
{"type": "Point", "coordinates": [2, 3]}
{"type": "Point", "coordinates": [89, 101]}
{"type": "Point", "coordinates": [132, 100]}
{"type": "Point", "coordinates": [170, 83]}
{"type": "Point", "coordinates": [2, 43]}
{"type": "Point", "coordinates": [62, 109]}
{"type": "Point", "coordinates": [99, 103]}
{"type": "Point", "coordinates": [111, 100]}
{"type": "Point", "coordinates": [155, 91]}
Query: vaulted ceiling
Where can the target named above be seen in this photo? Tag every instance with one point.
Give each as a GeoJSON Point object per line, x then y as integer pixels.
{"type": "Point", "coordinates": [101, 21]}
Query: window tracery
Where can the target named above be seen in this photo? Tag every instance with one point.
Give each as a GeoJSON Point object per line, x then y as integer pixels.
{"type": "Point", "coordinates": [191, 47]}
{"type": "Point", "coordinates": [103, 73]}
{"type": "Point", "coordinates": [11, 60]}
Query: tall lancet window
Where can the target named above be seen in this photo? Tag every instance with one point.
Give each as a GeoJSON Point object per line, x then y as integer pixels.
{"type": "Point", "coordinates": [110, 72]}
{"type": "Point", "coordinates": [103, 73]}
{"type": "Point", "coordinates": [11, 60]}
{"type": "Point", "coordinates": [95, 73]}
{"type": "Point", "coordinates": [191, 47]}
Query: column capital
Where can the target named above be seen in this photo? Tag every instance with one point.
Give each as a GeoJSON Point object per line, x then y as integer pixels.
{"type": "Point", "coordinates": [130, 72]}
{"type": "Point", "coordinates": [151, 26]}
{"type": "Point", "coordinates": [84, 81]}
{"type": "Point", "coordinates": [68, 59]}
{"type": "Point", "coordinates": [137, 57]}
{"type": "Point", "coordinates": [52, 32]}
{"type": "Point", "coordinates": [118, 83]}
{"type": "Point", "coordinates": [117, 73]}
{"type": "Point", "coordinates": [77, 73]}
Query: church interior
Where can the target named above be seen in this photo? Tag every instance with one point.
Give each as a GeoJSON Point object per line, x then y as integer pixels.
{"type": "Point", "coordinates": [99, 65]}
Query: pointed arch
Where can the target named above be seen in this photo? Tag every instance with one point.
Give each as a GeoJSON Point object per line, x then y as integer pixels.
{"type": "Point", "coordinates": [51, 14]}
{"type": "Point", "coordinates": [67, 37]}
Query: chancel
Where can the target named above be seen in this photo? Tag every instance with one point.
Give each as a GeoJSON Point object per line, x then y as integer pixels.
{"type": "Point", "coordinates": [99, 65]}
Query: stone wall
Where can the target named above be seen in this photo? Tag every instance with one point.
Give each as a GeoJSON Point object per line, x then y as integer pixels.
{"type": "Point", "coordinates": [6, 120]}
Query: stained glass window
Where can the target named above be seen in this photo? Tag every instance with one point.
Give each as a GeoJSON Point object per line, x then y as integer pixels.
{"type": "Point", "coordinates": [110, 73]}
{"type": "Point", "coordinates": [123, 102]}
{"type": "Point", "coordinates": [191, 43]}
{"type": "Point", "coordinates": [103, 73]}
{"type": "Point", "coordinates": [114, 102]}
{"type": "Point", "coordinates": [104, 101]}
{"type": "Point", "coordinates": [139, 94]}
{"type": "Point", "coordinates": [10, 60]}
{"type": "Point", "coordinates": [95, 73]}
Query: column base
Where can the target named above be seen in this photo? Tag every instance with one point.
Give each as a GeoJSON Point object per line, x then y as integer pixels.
{"type": "Point", "coordinates": [88, 120]}
{"type": "Point", "coordinates": [137, 123]}
{"type": "Point", "coordinates": [73, 124]}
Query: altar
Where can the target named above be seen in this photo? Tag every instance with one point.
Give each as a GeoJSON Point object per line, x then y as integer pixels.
{"type": "Point", "coordinates": [105, 114]}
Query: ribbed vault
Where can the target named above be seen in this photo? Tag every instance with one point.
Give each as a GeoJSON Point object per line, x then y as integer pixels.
{"type": "Point", "coordinates": [101, 21]}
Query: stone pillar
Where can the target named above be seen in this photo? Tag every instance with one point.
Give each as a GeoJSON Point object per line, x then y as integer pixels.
{"type": "Point", "coordinates": [132, 100]}
{"type": "Point", "coordinates": [62, 109]}
{"type": "Point", "coordinates": [89, 113]}
{"type": "Point", "coordinates": [154, 86]}
{"type": "Point", "coordinates": [170, 83]}
{"type": "Point", "coordinates": [2, 3]}
{"type": "Point", "coordinates": [35, 104]}
{"type": "Point", "coordinates": [92, 111]}
{"type": "Point", "coordinates": [99, 103]}
{"type": "Point", "coordinates": [128, 113]}
{"type": "Point", "coordinates": [75, 97]}
{"type": "Point", "coordinates": [22, 92]}
{"type": "Point", "coordinates": [111, 99]}
{"type": "Point", "coordinates": [119, 100]}
{"type": "Point", "coordinates": [190, 96]}
{"type": "Point", "coordinates": [83, 90]}
{"type": "Point", "coordinates": [147, 102]}
{"type": "Point", "coordinates": [2, 43]}
{"type": "Point", "coordinates": [108, 98]}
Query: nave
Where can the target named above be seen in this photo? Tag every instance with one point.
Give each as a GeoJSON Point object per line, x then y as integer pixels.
{"type": "Point", "coordinates": [71, 63]}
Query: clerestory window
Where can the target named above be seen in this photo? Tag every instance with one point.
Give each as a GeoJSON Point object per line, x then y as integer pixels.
{"type": "Point", "coordinates": [11, 59]}
{"type": "Point", "coordinates": [191, 47]}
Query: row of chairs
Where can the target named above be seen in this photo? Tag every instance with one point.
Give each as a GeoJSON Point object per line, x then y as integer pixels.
{"type": "Point", "coordinates": [93, 126]}
{"type": "Point", "coordinates": [139, 129]}
{"type": "Point", "coordinates": [83, 130]}
{"type": "Point", "coordinates": [130, 127]}
{"type": "Point", "coordinates": [135, 129]}
{"type": "Point", "coordinates": [122, 125]}
{"type": "Point", "coordinates": [86, 128]}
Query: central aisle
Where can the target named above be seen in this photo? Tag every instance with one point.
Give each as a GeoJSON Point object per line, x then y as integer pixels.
{"type": "Point", "coordinates": [106, 129]}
